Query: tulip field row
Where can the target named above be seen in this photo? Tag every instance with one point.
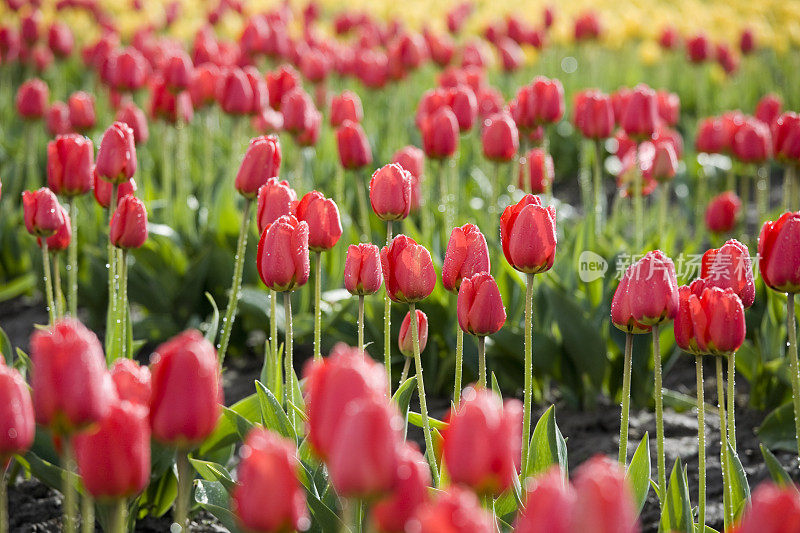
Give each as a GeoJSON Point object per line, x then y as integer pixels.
{"type": "Point", "coordinates": [430, 236]}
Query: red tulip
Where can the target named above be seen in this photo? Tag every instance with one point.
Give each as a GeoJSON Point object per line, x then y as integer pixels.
{"type": "Point", "coordinates": [490, 101]}
{"type": "Point", "coordinates": [116, 157]}
{"type": "Point", "coordinates": [169, 106]}
{"type": "Point", "coordinates": [779, 254]}
{"type": "Point", "coordinates": [409, 490]}
{"type": "Point", "coordinates": [275, 199]}
{"type": "Point", "coordinates": [550, 501]}
{"type": "Point", "coordinates": [268, 496]}
{"type": "Point", "coordinates": [390, 192]}
{"type": "Point", "coordinates": [541, 102]}
{"type": "Point", "coordinates": [261, 162]}
{"type": "Point", "coordinates": [60, 240]}
{"type": "Point", "coordinates": [129, 70]}
{"type": "Point", "coordinates": [710, 136]}
{"type": "Point", "coordinates": [346, 106]}
{"type": "Point", "coordinates": [70, 165]}
{"type": "Point", "coordinates": [411, 159]}
{"type": "Point", "coordinates": [461, 99]}
{"type": "Point", "coordinates": [511, 54]}
{"type": "Point", "coordinates": [587, 26]}
{"type": "Point", "coordinates": [698, 48]}
{"type": "Point", "coordinates": [593, 114]}
{"type": "Point", "coordinates": [114, 458]}
{"type": "Point", "coordinates": [354, 150]}
{"type": "Point", "coordinates": [500, 138]}
{"type": "Point", "coordinates": [259, 89]}
{"type": "Point", "coordinates": [17, 424]}
{"type": "Point", "coordinates": [30, 25]}
{"type": "Point", "coordinates": [177, 71]}
{"type": "Point", "coordinates": [652, 290]}
{"type": "Point", "coordinates": [57, 119]}
{"type": "Point", "coordinates": [81, 111]}
{"type": "Point", "coordinates": [786, 137]}
{"type": "Point", "coordinates": [102, 190]}
{"type": "Point", "coordinates": [298, 109]}
{"type": "Point", "coordinates": [42, 212]}
{"type": "Point", "coordinates": [372, 68]}
{"type": "Point", "coordinates": [441, 48]}
{"type": "Point", "coordinates": [730, 267]}
{"type": "Point", "coordinates": [528, 235]}
{"type": "Point", "coordinates": [322, 216]}
{"type": "Point", "coordinates": [186, 390]}
{"type": "Point", "coordinates": [131, 381]}
{"type": "Point", "coordinates": [603, 499]}
{"type": "Point", "coordinates": [726, 58]}
{"type": "Point", "coordinates": [283, 262]}
{"type": "Point", "coordinates": [658, 160]}
{"type": "Point", "coordinates": [747, 41]}
{"type": "Point", "coordinates": [440, 133]}
{"type": "Point", "coordinates": [10, 43]}
{"type": "Point", "coordinates": [310, 135]}
{"type": "Point", "coordinates": [669, 107]}
{"type": "Point", "coordinates": [315, 65]}
{"type": "Point", "coordinates": [60, 39]}
{"type": "Point", "coordinates": [407, 270]}
{"type": "Point", "coordinates": [135, 118]}
{"type": "Point", "coordinates": [345, 376]}
{"type": "Point", "coordinates": [710, 320]}
{"type": "Point", "coordinates": [405, 341]}
{"type": "Point", "coordinates": [234, 93]}
{"type": "Point", "coordinates": [364, 452]}
{"type": "Point", "coordinates": [538, 165]}
{"type": "Point", "coordinates": [467, 254]}
{"type": "Point", "coordinates": [640, 115]}
{"type": "Point", "coordinates": [280, 82]}
{"type": "Point", "coordinates": [362, 269]}
{"type": "Point", "coordinates": [203, 85]}
{"type": "Point", "coordinates": [32, 98]}
{"type": "Point", "coordinates": [480, 306]}
{"type": "Point", "coordinates": [479, 442]}
{"type": "Point", "coordinates": [669, 39]}
{"type": "Point", "coordinates": [752, 142]}
{"type": "Point", "coordinates": [723, 212]}
{"type": "Point", "coordinates": [129, 223]}
{"type": "Point", "coordinates": [455, 510]}
{"type": "Point", "coordinates": [71, 386]}
{"type": "Point", "coordinates": [769, 108]}
{"type": "Point", "coordinates": [772, 509]}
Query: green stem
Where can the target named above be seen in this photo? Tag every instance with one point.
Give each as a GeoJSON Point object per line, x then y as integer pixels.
{"type": "Point", "coordinates": [788, 186]}
{"type": "Point", "coordinates": [362, 207]}
{"type": "Point", "coordinates": [123, 302]}
{"type": "Point", "coordinates": [87, 513]}
{"type": "Point", "coordinates": [599, 207]}
{"type": "Point", "coordinates": [732, 400]}
{"type": "Point", "coordinates": [701, 440]}
{"type": "Point", "coordinates": [48, 283]}
{"type": "Point", "coordinates": [795, 367]}
{"type": "Point", "coordinates": [723, 451]}
{"type": "Point", "coordinates": [276, 352]}
{"type": "Point", "coordinates": [730, 180]}
{"type": "Point", "coordinates": [184, 490]}
{"type": "Point", "coordinates": [361, 322]}
{"type": "Point", "coordinates": [659, 400]}
{"type": "Point", "coordinates": [288, 359]}
{"type": "Point", "coordinates": [387, 322]}
{"type": "Point", "coordinates": [626, 400]}
{"type": "Point", "coordinates": [663, 203]}
{"type": "Point", "coordinates": [31, 179]}
{"type": "Point", "coordinates": [68, 488]}
{"type": "Point", "coordinates": [317, 310]}
{"type": "Point", "coordinates": [762, 192]}
{"type": "Point", "coordinates": [4, 502]}
{"type": "Point", "coordinates": [236, 283]}
{"type": "Point", "coordinates": [406, 368]}
{"type": "Point", "coordinates": [72, 256]}
{"type": "Point", "coordinates": [182, 175]}
{"type": "Point", "coordinates": [423, 404]}
{"type": "Point", "coordinates": [208, 164]}
{"type": "Point", "coordinates": [167, 174]}
{"type": "Point", "coordinates": [638, 203]}
{"type": "Point", "coordinates": [528, 398]}
{"type": "Point", "coordinates": [459, 365]}
{"type": "Point", "coordinates": [59, 295]}
{"type": "Point", "coordinates": [112, 273]}
{"type": "Point", "coordinates": [120, 517]}
{"type": "Point", "coordinates": [481, 361]}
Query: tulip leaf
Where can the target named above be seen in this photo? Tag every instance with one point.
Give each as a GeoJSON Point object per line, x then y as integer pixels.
{"type": "Point", "coordinates": [23, 363]}
{"type": "Point", "coordinates": [638, 474]}
{"type": "Point", "coordinates": [46, 472]}
{"type": "Point", "coordinates": [157, 498]}
{"type": "Point", "coordinates": [737, 479]}
{"type": "Point", "coordinates": [777, 432]}
{"type": "Point", "coordinates": [402, 398]}
{"type": "Point", "coordinates": [676, 511]}
{"type": "Point", "coordinates": [211, 471]}
{"type": "Point", "coordinates": [776, 470]}
{"type": "Point", "coordinates": [547, 447]}
{"type": "Point", "coordinates": [213, 497]}
{"type": "Point", "coordinates": [213, 327]}
{"type": "Point", "coordinates": [416, 419]}
{"type": "Point", "coordinates": [272, 414]}
{"type": "Point", "coordinates": [226, 432]}
{"type": "Point", "coordinates": [325, 518]}
{"type": "Point", "coordinates": [18, 286]}
{"type": "Point", "coordinates": [5, 348]}
{"type": "Point", "coordinates": [242, 425]}
{"type": "Point", "coordinates": [496, 386]}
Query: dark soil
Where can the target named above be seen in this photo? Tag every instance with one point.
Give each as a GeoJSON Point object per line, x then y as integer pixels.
{"type": "Point", "coordinates": [37, 508]}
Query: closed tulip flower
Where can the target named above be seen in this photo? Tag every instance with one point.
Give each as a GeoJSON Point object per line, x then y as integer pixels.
{"type": "Point", "coordinates": [131, 381]}
{"type": "Point", "coordinates": [723, 212]}
{"type": "Point", "coordinates": [698, 48]}
{"type": "Point", "coordinates": [346, 375]}
{"type": "Point", "coordinates": [461, 99]}
{"type": "Point", "coordinates": [102, 190]}
{"type": "Point", "coordinates": [407, 270]}
{"type": "Point", "coordinates": [81, 111]}
{"type": "Point", "coordinates": [658, 160]}
{"type": "Point", "coordinates": [480, 306]}
{"type": "Point", "coordinates": [129, 223]}
{"type": "Point", "coordinates": [412, 159]}
{"type": "Point", "coordinates": [621, 305]}
{"type": "Point", "coordinates": [168, 106]}
{"type": "Point", "coordinates": [786, 137]}
{"type": "Point", "coordinates": [536, 168]}
{"type": "Point", "coordinates": [283, 262]}
{"type": "Point", "coordinates": [297, 108]}
{"type": "Point", "coordinates": [541, 102]}
{"type": "Point", "coordinates": [409, 491]}
{"type": "Point", "coordinates": [593, 114]}
{"type": "Point", "coordinates": [528, 235]}
{"type": "Point", "coordinates": [550, 501]}
{"type": "Point", "coordinates": [653, 289]}
{"type": "Point", "coordinates": [710, 320]}
{"type": "Point", "coordinates": [346, 106]}
{"type": "Point", "coordinates": [258, 87]}
{"type": "Point", "coordinates": [261, 162]}
{"type": "Point", "coordinates": [772, 509]}
{"type": "Point", "coordinates": [769, 108]}
{"type": "Point", "coordinates": [640, 115]}
{"type": "Point", "coordinates": [280, 82]}
{"type": "Point", "coordinates": [362, 269]}
{"type": "Point", "coordinates": [404, 340]}
{"type": "Point", "coordinates": [60, 39]}
{"type": "Point", "coordinates": [669, 107]}
{"type": "Point", "coordinates": [752, 142]}
{"type": "Point", "coordinates": [186, 390]}
{"type": "Point", "coordinates": [747, 41]}
{"type": "Point", "coordinates": [587, 26]}
{"type": "Point", "coordinates": [42, 213]}
{"type": "Point", "coordinates": [32, 98]}
{"type": "Point", "coordinates": [354, 150]}
{"type": "Point", "coordinates": [57, 119]}
{"type": "Point", "coordinates": [130, 70]}
{"type": "Point", "coordinates": [390, 192]}
{"type": "Point", "coordinates": [467, 254]}
{"type": "Point", "coordinates": [310, 135]}
{"type": "Point", "coordinates": [500, 138]}
{"type": "Point", "coordinates": [177, 71]}
{"type": "Point", "coordinates": [322, 216]}
{"type": "Point", "coordinates": [268, 496]}
{"type": "Point", "coordinates": [275, 199]}
{"type": "Point", "coordinates": [710, 136]}
{"type": "Point", "coordinates": [779, 254]}
{"type": "Point", "coordinates": [234, 93]}
{"type": "Point", "coordinates": [116, 157]}
{"type": "Point", "coordinates": [440, 133]}
{"type": "Point", "coordinates": [730, 267]}
{"type": "Point", "coordinates": [61, 238]}
{"type": "Point", "coordinates": [70, 165]}
{"type": "Point", "coordinates": [17, 423]}
{"type": "Point", "coordinates": [135, 118]}
{"type": "Point", "coordinates": [203, 85]}
{"type": "Point", "coordinates": [114, 458]}
{"type": "Point", "coordinates": [603, 499]}
{"type": "Point", "coordinates": [455, 510]}
{"type": "Point", "coordinates": [69, 377]}
{"type": "Point", "coordinates": [669, 39]}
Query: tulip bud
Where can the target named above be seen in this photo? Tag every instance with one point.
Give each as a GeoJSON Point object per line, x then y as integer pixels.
{"type": "Point", "coordinates": [455, 510]}
{"type": "Point", "coordinates": [710, 320]}
{"type": "Point", "coordinates": [57, 119]}
{"type": "Point", "coordinates": [621, 315]}
{"type": "Point", "coordinates": [268, 496]}
{"type": "Point", "coordinates": [203, 85]}
{"type": "Point", "coordinates": [587, 26]}
{"type": "Point", "coordinates": [261, 162]}
{"type": "Point", "coordinates": [779, 255]}
{"type": "Point", "coordinates": [102, 190]}
{"type": "Point", "coordinates": [70, 165]}
{"type": "Point", "coordinates": [603, 498]}
{"type": "Point", "coordinates": [658, 160]}
{"type": "Point", "coordinates": [409, 491]}
{"type": "Point", "coordinates": [411, 159]}
{"type": "Point", "coordinates": [59, 241]}
{"type": "Point", "coordinates": [310, 135]}
{"type": "Point", "coordinates": [259, 89]}
{"type": "Point", "coordinates": [467, 254]}
{"type": "Point", "coordinates": [752, 142]}
{"type": "Point", "coordinates": [528, 235]}
{"type": "Point", "coordinates": [405, 340]}
{"type": "Point", "coordinates": [730, 267]}
{"type": "Point", "coordinates": [723, 212]}
{"type": "Point", "coordinates": [280, 82]}
{"type": "Point", "coordinates": [390, 192]}
{"type": "Point", "coordinates": [550, 501]}
{"type": "Point", "coordinates": [81, 111]}
{"type": "Point", "coordinates": [116, 157]}
{"type": "Point", "coordinates": [698, 48]}
{"type": "Point", "coordinates": [479, 306]}
{"type": "Point", "coordinates": [407, 270]}
{"type": "Point", "coordinates": [786, 137]}
{"type": "Point", "coordinates": [42, 212]}
{"type": "Point", "coordinates": [346, 106]}
{"type": "Point", "coordinates": [772, 509]}
{"type": "Point", "coordinates": [354, 150]}
{"type": "Point", "coordinates": [275, 199]}
{"type": "Point", "coordinates": [131, 381]}
{"type": "Point", "coordinates": [710, 136]}
{"type": "Point", "coordinates": [186, 390]}
{"type": "Point", "coordinates": [297, 109]}
{"type": "Point", "coordinates": [17, 424]}
{"type": "Point", "coordinates": [114, 458]}
{"type": "Point", "coordinates": [128, 227]}
{"type": "Point", "coordinates": [135, 118]}
{"type": "Point", "coordinates": [640, 116]}
{"type": "Point", "coordinates": [234, 93]}
{"type": "Point", "coordinates": [283, 262]}
{"type": "Point", "coordinates": [362, 269]}
{"type": "Point", "coordinates": [60, 39]}
{"type": "Point", "coordinates": [593, 114]}
{"type": "Point", "coordinates": [345, 376]}
{"type": "Point", "coordinates": [322, 216]}
{"type": "Point", "coordinates": [747, 41]}
{"type": "Point", "coordinates": [129, 70]}
{"type": "Point", "coordinates": [499, 138]}
{"type": "Point", "coordinates": [69, 381]}
{"type": "Point", "coordinates": [439, 133]}
{"type": "Point", "coordinates": [650, 295]}
{"type": "Point", "coordinates": [537, 167]}
{"type": "Point", "coordinates": [669, 107]}
{"type": "Point", "coordinates": [177, 71]}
